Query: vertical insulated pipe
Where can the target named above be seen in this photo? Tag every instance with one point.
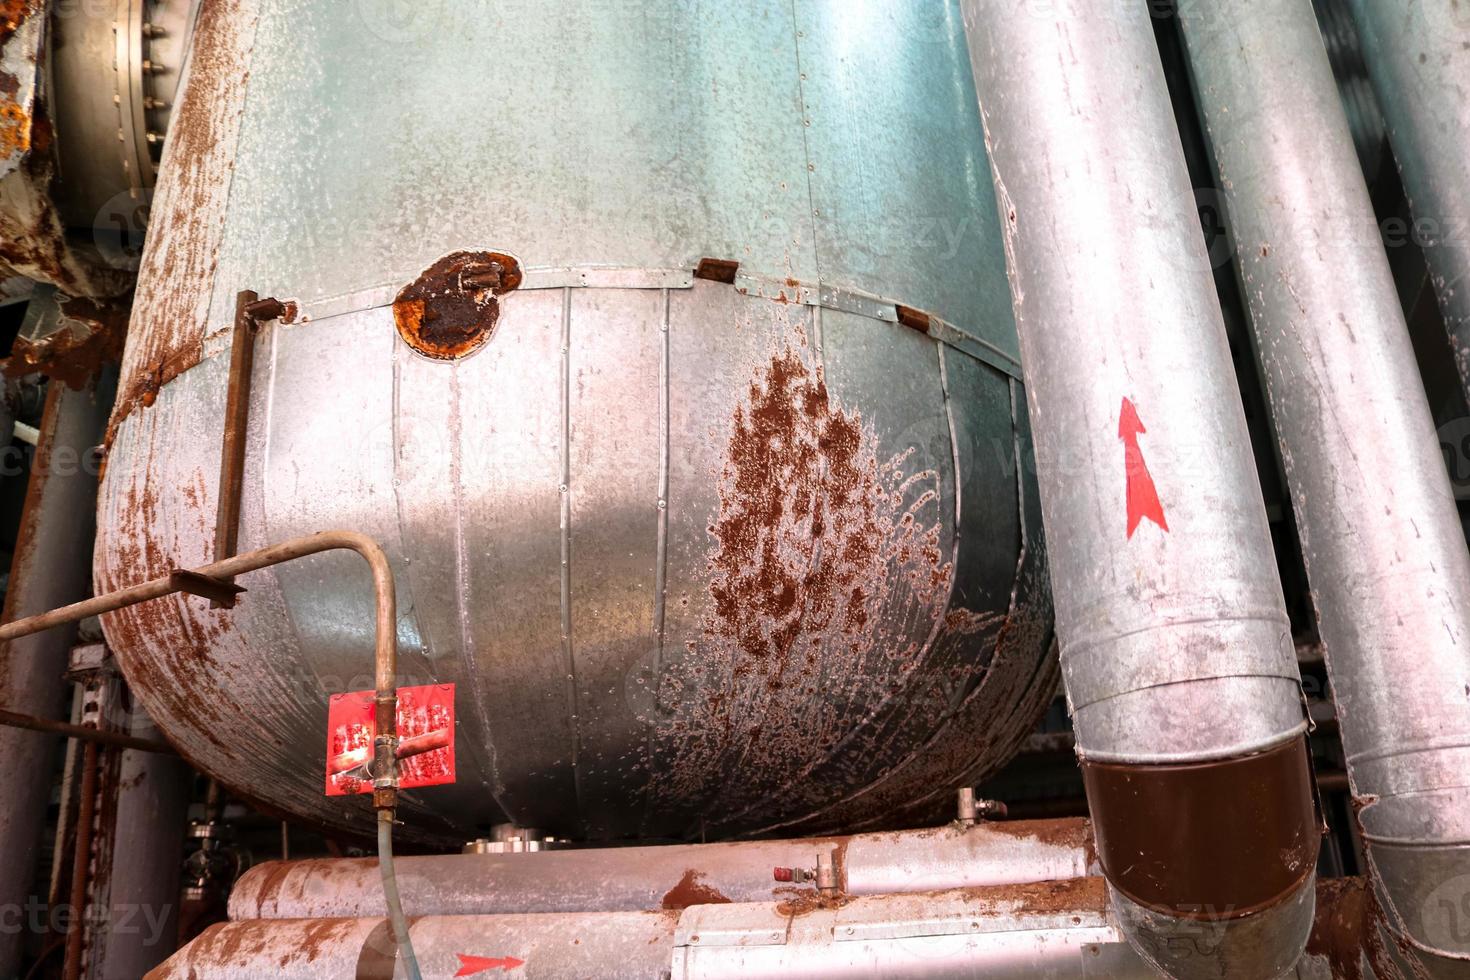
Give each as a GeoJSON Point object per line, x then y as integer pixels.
{"type": "Point", "coordinates": [1389, 570]}
{"type": "Point", "coordinates": [1418, 58]}
{"type": "Point", "coordinates": [52, 566]}
{"type": "Point", "coordinates": [1176, 650]}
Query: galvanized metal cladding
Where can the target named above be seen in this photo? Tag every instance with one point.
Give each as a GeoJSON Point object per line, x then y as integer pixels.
{"type": "Point", "coordinates": [703, 558]}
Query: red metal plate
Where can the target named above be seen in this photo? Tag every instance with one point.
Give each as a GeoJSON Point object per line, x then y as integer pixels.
{"type": "Point", "coordinates": [425, 718]}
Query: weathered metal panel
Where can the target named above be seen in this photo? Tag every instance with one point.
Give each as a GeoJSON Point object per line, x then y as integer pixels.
{"type": "Point", "coordinates": [895, 202]}
{"type": "Point", "coordinates": [180, 261]}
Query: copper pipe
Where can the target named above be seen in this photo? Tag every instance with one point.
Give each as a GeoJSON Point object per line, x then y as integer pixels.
{"type": "Point", "coordinates": [30, 722]}
{"type": "Point", "coordinates": [385, 662]}
{"type": "Point", "coordinates": [81, 862]}
{"type": "Point", "coordinates": [385, 654]}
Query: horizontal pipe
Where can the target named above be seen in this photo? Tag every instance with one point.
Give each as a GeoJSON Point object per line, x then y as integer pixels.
{"type": "Point", "coordinates": [14, 719]}
{"type": "Point", "coordinates": [643, 878]}
{"type": "Point", "coordinates": [1058, 929]}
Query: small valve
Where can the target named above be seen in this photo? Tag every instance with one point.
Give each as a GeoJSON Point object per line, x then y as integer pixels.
{"type": "Point", "coordinates": [824, 875]}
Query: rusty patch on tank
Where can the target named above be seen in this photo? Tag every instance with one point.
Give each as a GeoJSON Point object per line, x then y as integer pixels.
{"type": "Point", "coordinates": [691, 890]}
{"type": "Point", "coordinates": [830, 572]}
{"type": "Point", "coordinates": [450, 310]}
{"type": "Point", "coordinates": [803, 472]}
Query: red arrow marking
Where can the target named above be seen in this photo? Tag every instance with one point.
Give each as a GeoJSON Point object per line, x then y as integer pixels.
{"type": "Point", "coordinates": [471, 965]}
{"type": "Point", "coordinates": [1143, 496]}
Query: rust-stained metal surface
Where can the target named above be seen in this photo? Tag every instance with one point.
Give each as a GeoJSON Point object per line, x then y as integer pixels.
{"type": "Point", "coordinates": [620, 945]}
{"type": "Point", "coordinates": [178, 270]}
{"type": "Point", "coordinates": [33, 237]}
{"type": "Point", "coordinates": [450, 310]}
{"type": "Point", "coordinates": [701, 563]}
{"type": "Point", "coordinates": [68, 339]}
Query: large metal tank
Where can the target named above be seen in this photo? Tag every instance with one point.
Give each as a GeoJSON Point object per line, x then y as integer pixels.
{"type": "Point", "coordinates": [703, 556]}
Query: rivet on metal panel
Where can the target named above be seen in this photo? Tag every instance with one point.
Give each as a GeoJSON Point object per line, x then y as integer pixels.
{"type": "Point", "coordinates": [450, 310]}
{"type": "Point", "coordinates": [717, 270]}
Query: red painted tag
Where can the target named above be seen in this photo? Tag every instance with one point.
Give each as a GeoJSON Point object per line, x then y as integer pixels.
{"type": "Point", "coordinates": [425, 728]}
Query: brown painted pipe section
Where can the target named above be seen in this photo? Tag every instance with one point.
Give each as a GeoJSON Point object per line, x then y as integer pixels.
{"type": "Point", "coordinates": [1210, 841]}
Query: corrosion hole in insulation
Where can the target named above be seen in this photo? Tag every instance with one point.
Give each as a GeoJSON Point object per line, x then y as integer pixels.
{"type": "Point", "coordinates": [450, 310]}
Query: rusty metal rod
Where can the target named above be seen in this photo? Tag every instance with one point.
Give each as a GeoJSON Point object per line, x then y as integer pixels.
{"type": "Point", "coordinates": [16, 720]}
{"type": "Point", "coordinates": [81, 863]}
{"type": "Point", "coordinates": [385, 654]}
{"type": "Point", "coordinates": [385, 663]}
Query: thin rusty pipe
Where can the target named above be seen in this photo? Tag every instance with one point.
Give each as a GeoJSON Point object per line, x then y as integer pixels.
{"type": "Point", "coordinates": [385, 662]}
{"type": "Point", "coordinates": [80, 863]}
{"type": "Point", "coordinates": [46, 725]}
{"type": "Point", "coordinates": [385, 655]}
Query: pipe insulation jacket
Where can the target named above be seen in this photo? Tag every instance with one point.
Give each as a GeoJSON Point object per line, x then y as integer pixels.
{"type": "Point", "coordinates": [1175, 646]}
{"type": "Point", "coordinates": [1380, 533]}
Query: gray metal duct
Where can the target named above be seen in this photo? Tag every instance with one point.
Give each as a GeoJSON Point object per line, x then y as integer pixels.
{"type": "Point", "coordinates": [1418, 57]}
{"type": "Point", "coordinates": [1380, 533]}
{"type": "Point", "coordinates": [1175, 645]}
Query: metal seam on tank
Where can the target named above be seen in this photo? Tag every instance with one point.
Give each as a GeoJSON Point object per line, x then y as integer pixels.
{"type": "Point", "coordinates": [660, 575]}
{"type": "Point", "coordinates": [806, 143]}
{"type": "Point", "coordinates": [906, 675]}
{"type": "Point", "coordinates": [660, 580]}
{"type": "Point", "coordinates": [468, 652]}
{"type": "Point", "coordinates": [565, 493]}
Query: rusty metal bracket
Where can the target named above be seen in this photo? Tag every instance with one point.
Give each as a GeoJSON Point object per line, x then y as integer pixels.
{"type": "Point", "coordinates": [912, 318]}
{"type": "Point", "coordinates": [717, 270]}
{"type": "Point", "coordinates": [250, 312]}
{"type": "Point", "coordinates": [220, 592]}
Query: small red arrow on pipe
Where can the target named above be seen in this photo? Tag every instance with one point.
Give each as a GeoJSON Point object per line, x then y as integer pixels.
{"type": "Point", "coordinates": [1143, 496]}
{"type": "Point", "coordinates": [471, 965]}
